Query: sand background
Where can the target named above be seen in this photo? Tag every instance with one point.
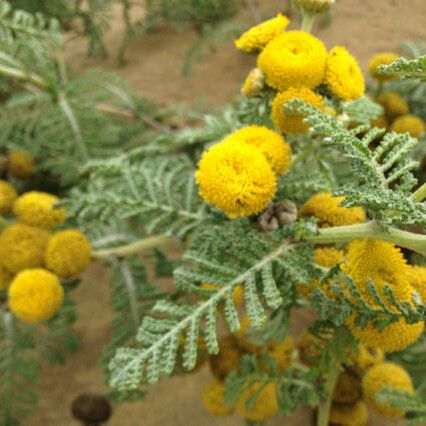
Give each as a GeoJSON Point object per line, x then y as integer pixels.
{"type": "Point", "coordinates": [154, 69]}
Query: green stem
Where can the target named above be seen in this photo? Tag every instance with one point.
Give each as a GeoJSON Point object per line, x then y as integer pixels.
{"type": "Point", "coordinates": [344, 234]}
{"type": "Point", "coordinates": [24, 76]}
{"type": "Point", "coordinates": [132, 248]}
{"type": "Point", "coordinates": [420, 194]}
{"type": "Point", "coordinates": [325, 405]}
{"type": "Point", "coordinates": [307, 21]}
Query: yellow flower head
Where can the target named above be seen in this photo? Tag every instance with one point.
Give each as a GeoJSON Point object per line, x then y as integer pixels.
{"type": "Point", "coordinates": [381, 262]}
{"type": "Point", "coordinates": [37, 209]}
{"type": "Point", "coordinates": [347, 389]}
{"type": "Point", "coordinates": [394, 104]}
{"type": "Point", "coordinates": [265, 405]}
{"type": "Point", "coordinates": [349, 414]}
{"type": "Point", "coordinates": [68, 253]}
{"type": "Point", "coordinates": [281, 352]}
{"type": "Point", "coordinates": [417, 280]}
{"type": "Point", "coordinates": [409, 123]}
{"type": "Point", "coordinates": [8, 196]}
{"type": "Point", "coordinates": [236, 178]}
{"type": "Point", "coordinates": [295, 58]}
{"type": "Point", "coordinates": [384, 58]}
{"type": "Point", "coordinates": [273, 146]}
{"type": "Point", "coordinates": [395, 337]}
{"type": "Point", "coordinates": [327, 210]}
{"type": "Point", "coordinates": [22, 247]}
{"type": "Point", "coordinates": [21, 164]}
{"type": "Point", "coordinates": [366, 357]}
{"type": "Point", "coordinates": [386, 375]}
{"type": "Point", "coordinates": [254, 83]}
{"type": "Point", "coordinates": [343, 75]}
{"type": "Point", "coordinates": [293, 123]}
{"type": "Point", "coordinates": [35, 295]}
{"type": "Point", "coordinates": [227, 359]}
{"type": "Point", "coordinates": [257, 37]}
{"type": "Point", "coordinates": [380, 121]}
{"type": "Point", "coordinates": [327, 257]}
{"type": "Point", "coordinates": [213, 400]}
{"type": "Point", "coordinates": [5, 278]}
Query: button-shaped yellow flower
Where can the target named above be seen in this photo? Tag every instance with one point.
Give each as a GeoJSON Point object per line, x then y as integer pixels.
{"type": "Point", "coordinates": [257, 37]}
{"type": "Point", "coordinates": [35, 295]}
{"type": "Point", "coordinates": [281, 352]}
{"type": "Point", "coordinates": [22, 247]}
{"type": "Point", "coordinates": [293, 123]}
{"type": "Point", "coordinates": [328, 211]}
{"type": "Point", "coordinates": [343, 75]}
{"type": "Point", "coordinates": [37, 209]}
{"type": "Point", "coordinates": [265, 405]}
{"type": "Point", "coordinates": [386, 375]}
{"type": "Point", "coordinates": [294, 58]}
{"type": "Point", "coordinates": [273, 146]}
{"type": "Point", "coordinates": [347, 389]}
{"type": "Point", "coordinates": [366, 357]}
{"type": "Point", "coordinates": [349, 414]}
{"type": "Point", "coordinates": [213, 400]}
{"type": "Point", "coordinates": [394, 104]}
{"type": "Point", "coordinates": [236, 178]}
{"type": "Point", "coordinates": [383, 58]}
{"type": "Point", "coordinates": [68, 253]}
{"type": "Point", "coordinates": [21, 164]}
{"type": "Point", "coordinates": [8, 196]}
{"type": "Point", "coordinates": [409, 123]}
{"type": "Point", "coordinates": [417, 280]}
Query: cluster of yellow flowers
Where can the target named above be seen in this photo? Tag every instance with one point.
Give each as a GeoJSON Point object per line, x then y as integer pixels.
{"type": "Point", "coordinates": [396, 117]}
{"type": "Point", "coordinates": [20, 164]}
{"type": "Point", "coordinates": [239, 174]}
{"type": "Point", "coordinates": [32, 258]}
{"type": "Point", "coordinates": [365, 260]}
{"type": "Point", "coordinates": [232, 348]}
{"type": "Point", "coordinates": [295, 63]}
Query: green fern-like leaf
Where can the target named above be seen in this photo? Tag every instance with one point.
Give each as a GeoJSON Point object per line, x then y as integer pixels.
{"type": "Point", "coordinates": [407, 68]}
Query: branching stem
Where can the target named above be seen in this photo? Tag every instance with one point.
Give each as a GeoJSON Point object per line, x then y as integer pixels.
{"type": "Point", "coordinates": [325, 405]}
{"type": "Point", "coordinates": [344, 234]}
{"type": "Point", "coordinates": [132, 248]}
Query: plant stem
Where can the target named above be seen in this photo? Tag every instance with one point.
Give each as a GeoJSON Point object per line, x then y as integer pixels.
{"type": "Point", "coordinates": [132, 248]}
{"type": "Point", "coordinates": [344, 234]}
{"type": "Point", "coordinates": [325, 405]}
{"type": "Point", "coordinates": [131, 291]}
{"type": "Point", "coordinates": [24, 76]}
{"type": "Point", "coordinates": [307, 21]}
{"type": "Point", "coordinates": [420, 193]}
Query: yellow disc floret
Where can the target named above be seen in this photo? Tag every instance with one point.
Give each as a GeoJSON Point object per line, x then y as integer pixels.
{"type": "Point", "coordinates": [328, 211]}
{"type": "Point", "coordinates": [213, 399]}
{"type": "Point", "coordinates": [409, 123]}
{"type": "Point", "coordinates": [395, 337]}
{"type": "Point", "coordinates": [366, 357]}
{"type": "Point", "coordinates": [295, 58]}
{"type": "Point", "coordinates": [293, 123]}
{"type": "Point", "coordinates": [394, 104]}
{"type": "Point", "coordinates": [22, 247]}
{"type": "Point", "coordinates": [35, 295]}
{"type": "Point", "coordinates": [37, 209]}
{"type": "Point", "coordinates": [257, 37]}
{"type": "Point", "coordinates": [386, 375]}
{"type": "Point", "coordinates": [384, 58]}
{"type": "Point", "coordinates": [343, 75]}
{"type": "Point", "coordinates": [281, 352]}
{"type": "Point", "coordinates": [21, 164]}
{"type": "Point", "coordinates": [347, 389]}
{"type": "Point", "coordinates": [273, 146]}
{"type": "Point", "coordinates": [68, 253]}
{"type": "Point", "coordinates": [254, 83]}
{"type": "Point", "coordinates": [236, 178]}
{"type": "Point", "coordinates": [349, 414]}
{"type": "Point", "coordinates": [265, 405]}
{"type": "Point", "coordinates": [8, 196]}
{"type": "Point", "coordinates": [417, 280]}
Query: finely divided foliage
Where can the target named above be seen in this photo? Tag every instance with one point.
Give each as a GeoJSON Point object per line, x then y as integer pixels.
{"type": "Point", "coordinates": [407, 68]}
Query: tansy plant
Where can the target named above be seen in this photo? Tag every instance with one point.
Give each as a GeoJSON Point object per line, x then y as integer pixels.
{"type": "Point", "coordinates": [302, 194]}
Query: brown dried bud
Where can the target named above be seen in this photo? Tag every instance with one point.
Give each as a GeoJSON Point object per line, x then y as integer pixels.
{"type": "Point", "coordinates": [277, 215]}
{"type": "Point", "coordinates": [91, 409]}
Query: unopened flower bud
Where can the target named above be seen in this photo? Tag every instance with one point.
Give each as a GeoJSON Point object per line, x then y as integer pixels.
{"type": "Point", "coordinates": [315, 6]}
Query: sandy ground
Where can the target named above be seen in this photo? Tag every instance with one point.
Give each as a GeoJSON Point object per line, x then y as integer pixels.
{"type": "Point", "coordinates": [154, 69]}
